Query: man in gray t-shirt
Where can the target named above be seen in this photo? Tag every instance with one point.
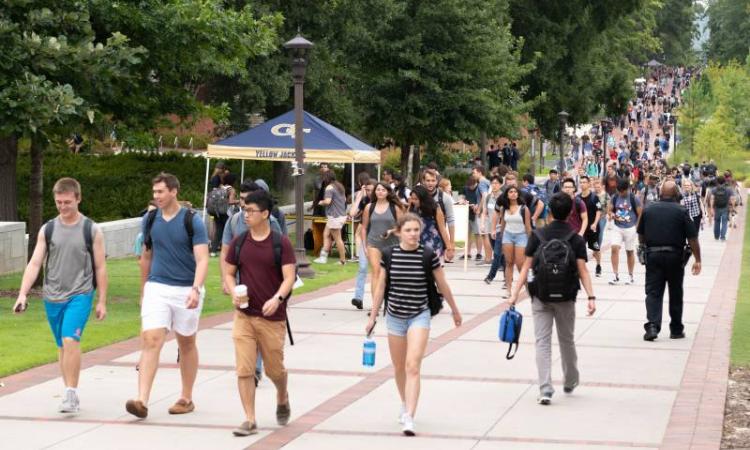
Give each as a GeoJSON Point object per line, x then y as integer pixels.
{"type": "Point", "coordinates": [73, 248]}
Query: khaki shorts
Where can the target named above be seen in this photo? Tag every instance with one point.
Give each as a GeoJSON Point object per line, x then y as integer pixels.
{"type": "Point", "coordinates": [251, 334]}
{"type": "Point", "coordinates": [336, 223]}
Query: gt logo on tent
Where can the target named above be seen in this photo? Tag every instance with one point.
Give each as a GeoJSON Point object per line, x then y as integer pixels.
{"type": "Point", "coordinates": [286, 129]}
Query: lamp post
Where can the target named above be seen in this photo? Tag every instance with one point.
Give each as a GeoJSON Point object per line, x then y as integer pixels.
{"type": "Point", "coordinates": [299, 47]}
{"type": "Point", "coordinates": [674, 138]}
{"type": "Point", "coordinates": [563, 116]}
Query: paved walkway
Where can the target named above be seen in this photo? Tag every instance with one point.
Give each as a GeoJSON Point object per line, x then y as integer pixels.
{"type": "Point", "coordinates": [669, 393]}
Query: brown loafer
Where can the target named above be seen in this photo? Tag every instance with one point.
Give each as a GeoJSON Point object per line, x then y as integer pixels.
{"type": "Point", "coordinates": [283, 412]}
{"type": "Point", "coordinates": [182, 407]}
{"type": "Point", "coordinates": [136, 408]}
{"type": "Point", "coordinates": [246, 429]}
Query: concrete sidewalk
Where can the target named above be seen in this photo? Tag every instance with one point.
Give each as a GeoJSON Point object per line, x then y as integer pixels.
{"type": "Point", "coordinates": [633, 393]}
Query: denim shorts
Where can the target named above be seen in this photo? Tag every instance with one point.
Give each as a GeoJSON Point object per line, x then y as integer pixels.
{"type": "Point", "coordinates": [517, 239]}
{"type": "Point", "coordinates": [399, 327]}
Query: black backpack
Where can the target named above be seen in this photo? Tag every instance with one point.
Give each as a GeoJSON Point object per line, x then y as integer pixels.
{"type": "Point", "coordinates": [88, 238]}
{"type": "Point", "coordinates": [276, 238]}
{"type": "Point", "coordinates": [721, 197]}
{"type": "Point", "coordinates": [218, 201]}
{"type": "Point", "coordinates": [555, 269]}
{"type": "Point", "coordinates": [434, 297]}
{"type": "Point", "coordinates": [151, 217]}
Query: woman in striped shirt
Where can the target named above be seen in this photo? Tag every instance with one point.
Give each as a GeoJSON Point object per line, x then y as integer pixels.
{"type": "Point", "coordinates": [407, 311]}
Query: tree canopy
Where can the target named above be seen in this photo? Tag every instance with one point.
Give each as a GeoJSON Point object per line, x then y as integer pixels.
{"type": "Point", "coordinates": [729, 21]}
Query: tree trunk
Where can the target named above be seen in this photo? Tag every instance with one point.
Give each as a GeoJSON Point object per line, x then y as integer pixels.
{"type": "Point", "coordinates": [36, 187]}
{"type": "Point", "coordinates": [483, 148]}
{"type": "Point", "coordinates": [9, 198]}
{"type": "Point", "coordinates": [415, 164]}
{"type": "Point", "coordinates": [404, 159]}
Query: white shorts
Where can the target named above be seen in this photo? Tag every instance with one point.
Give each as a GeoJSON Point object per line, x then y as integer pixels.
{"type": "Point", "coordinates": [164, 307]}
{"type": "Point", "coordinates": [622, 237]}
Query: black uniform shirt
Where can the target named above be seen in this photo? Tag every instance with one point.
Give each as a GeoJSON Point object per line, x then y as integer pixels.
{"type": "Point", "coordinates": [666, 223]}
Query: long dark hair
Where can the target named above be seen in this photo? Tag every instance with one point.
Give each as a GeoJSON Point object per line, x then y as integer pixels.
{"type": "Point", "coordinates": [328, 178]}
{"type": "Point", "coordinates": [400, 187]}
{"type": "Point", "coordinates": [427, 205]}
{"type": "Point", "coordinates": [505, 201]}
{"type": "Point", "coordinates": [391, 196]}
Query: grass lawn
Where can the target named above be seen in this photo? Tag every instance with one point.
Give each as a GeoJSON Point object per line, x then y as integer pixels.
{"type": "Point", "coordinates": [740, 335]}
{"type": "Point", "coordinates": [26, 340]}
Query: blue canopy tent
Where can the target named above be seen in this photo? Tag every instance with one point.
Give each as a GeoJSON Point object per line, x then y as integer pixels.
{"type": "Point", "coordinates": [274, 141]}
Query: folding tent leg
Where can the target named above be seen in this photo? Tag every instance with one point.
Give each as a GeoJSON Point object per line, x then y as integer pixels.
{"type": "Point", "coordinates": [352, 246]}
{"type": "Point", "coordinates": [242, 172]}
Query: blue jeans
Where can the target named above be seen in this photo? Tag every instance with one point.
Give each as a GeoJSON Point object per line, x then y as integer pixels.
{"type": "Point", "coordinates": [721, 216]}
{"type": "Point", "coordinates": [498, 259]}
{"type": "Point", "coordinates": [359, 290]}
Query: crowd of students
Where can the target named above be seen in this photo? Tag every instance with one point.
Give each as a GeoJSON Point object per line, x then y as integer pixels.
{"type": "Point", "coordinates": [403, 236]}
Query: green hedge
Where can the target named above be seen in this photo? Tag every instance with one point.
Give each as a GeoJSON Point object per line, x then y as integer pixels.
{"type": "Point", "coordinates": [119, 186]}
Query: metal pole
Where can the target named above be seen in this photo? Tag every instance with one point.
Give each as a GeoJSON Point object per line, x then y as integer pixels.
{"type": "Point", "coordinates": [351, 226]}
{"type": "Point", "coordinates": [242, 172]}
{"type": "Point", "coordinates": [298, 73]}
{"type": "Point", "coordinates": [205, 189]}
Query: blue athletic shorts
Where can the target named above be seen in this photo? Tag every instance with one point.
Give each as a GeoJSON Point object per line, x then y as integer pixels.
{"type": "Point", "coordinates": [68, 318]}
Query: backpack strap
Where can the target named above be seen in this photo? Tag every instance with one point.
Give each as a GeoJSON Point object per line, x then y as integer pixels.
{"type": "Point", "coordinates": [49, 228]}
{"type": "Point", "coordinates": [276, 239]}
{"type": "Point", "coordinates": [633, 204]}
{"type": "Point", "coordinates": [188, 222]}
{"type": "Point", "coordinates": [387, 257]}
{"type": "Point", "coordinates": [88, 239]}
{"type": "Point", "coordinates": [150, 218]}
{"type": "Point", "coordinates": [441, 202]}
{"type": "Point", "coordinates": [370, 210]}
{"type": "Point", "coordinates": [238, 243]}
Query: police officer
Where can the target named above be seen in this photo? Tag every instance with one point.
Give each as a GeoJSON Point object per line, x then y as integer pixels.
{"type": "Point", "coordinates": [664, 227]}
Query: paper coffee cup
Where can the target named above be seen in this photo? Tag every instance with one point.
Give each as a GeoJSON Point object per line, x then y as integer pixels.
{"type": "Point", "coordinates": [240, 291]}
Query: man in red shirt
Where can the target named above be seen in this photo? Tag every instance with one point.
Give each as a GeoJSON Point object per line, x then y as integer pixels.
{"type": "Point", "coordinates": [260, 320]}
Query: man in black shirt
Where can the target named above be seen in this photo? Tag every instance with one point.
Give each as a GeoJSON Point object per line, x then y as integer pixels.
{"type": "Point", "coordinates": [663, 229]}
{"type": "Point", "coordinates": [594, 211]}
{"type": "Point", "coordinates": [493, 156]}
{"type": "Point", "coordinates": [562, 313]}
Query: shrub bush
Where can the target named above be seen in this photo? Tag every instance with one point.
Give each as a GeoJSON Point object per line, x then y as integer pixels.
{"type": "Point", "coordinates": [119, 186]}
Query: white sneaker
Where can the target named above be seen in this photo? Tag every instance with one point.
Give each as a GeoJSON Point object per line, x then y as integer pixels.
{"type": "Point", "coordinates": [630, 280]}
{"type": "Point", "coordinates": [70, 403]}
{"type": "Point", "coordinates": [544, 399]}
{"type": "Point", "coordinates": [407, 425]}
{"type": "Point", "coordinates": [321, 260]}
{"type": "Point", "coordinates": [401, 414]}
{"type": "Point", "coordinates": [614, 280]}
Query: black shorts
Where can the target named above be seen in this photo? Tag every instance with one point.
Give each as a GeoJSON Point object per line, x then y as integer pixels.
{"type": "Point", "coordinates": [592, 239]}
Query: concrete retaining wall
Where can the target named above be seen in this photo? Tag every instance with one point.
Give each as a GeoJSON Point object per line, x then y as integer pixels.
{"type": "Point", "coordinates": [12, 247]}
{"type": "Point", "coordinates": [119, 237]}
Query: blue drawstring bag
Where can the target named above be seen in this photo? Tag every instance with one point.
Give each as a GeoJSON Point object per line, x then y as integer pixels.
{"type": "Point", "coordinates": [510, 329]}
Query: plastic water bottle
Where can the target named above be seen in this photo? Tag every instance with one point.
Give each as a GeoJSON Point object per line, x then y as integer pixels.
{"type": "Point", "coordinates": [368, 353]}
